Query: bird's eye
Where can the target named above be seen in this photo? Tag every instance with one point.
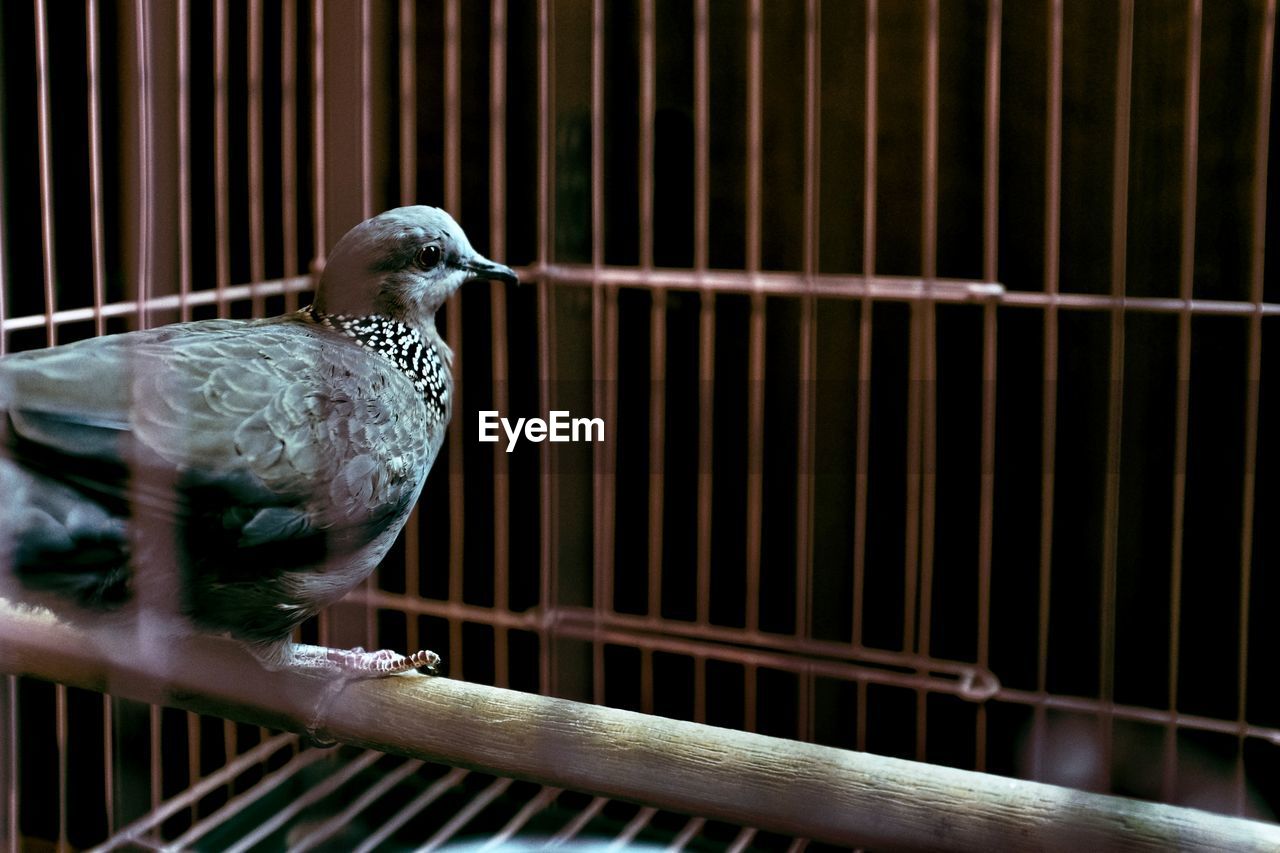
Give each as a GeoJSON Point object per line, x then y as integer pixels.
{"type": "Point", "coordinates": [428, 256]}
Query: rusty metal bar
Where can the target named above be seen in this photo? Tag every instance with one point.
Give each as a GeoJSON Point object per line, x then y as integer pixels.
{"type": "Point", "coordinates": [320, 240]}
{"type": "Point", "coordinates": [366, 106]}
{"type": "Point", "coordinates": [579, 822]}
{"type": "Point", "coordinates": [257, 222]}
{"type": "Point", "coordinates": [927, 391]}
{"type": "Point", "coordinates": [95, 157]}
{"type": "Point", "coordinates": [453, 202]}
{"type": "Point", "coordinates": [221, 178]}
{"type": "Point", "coordinates": [289, 144]}
{"type": "Point", "coordinates": [1186, 284]}
{"type": "Point", "coordinates": [756, 338]}
{"type": "Point", "coordinates": [1049, 382]}
{"type": "Point", "coordinates": [389, 827]}
{"type": "Point", "coordinates": [237, 803]}
{"type": "Point", "coordinates": [865, 327]}
{"type": "Point", "coordinates": [633, 828]}
{"type": "Point", "coordinates": [1257, 268]}
{"type": "Point", "coordinates": [602, 510]}
{"type": "Point", "coordinates": [549, 552]}
{"type": "Point", "coordinates": [184, 167]}
{"type": "Point", "coordinates": [657, 320]}
{"type": "Point", "coordinates": [60, 725]}
{"type": "Point", "coordinates": [9, 794]}
{"type": "Point", "coordinates": [865, 331]}
{"type": "Point", "coordinates": [498, 314]}
{"type": "Point", "coordinates": [315, 794]}
{"type": "Point", "coordinates": [1115, 400]}
{"type": "Point", "coordinates": [132, 833]}
{"type": "Point", "coordinates": [806, 416]}
{"type": "Point", "coordinates": [657, 441]}
{"type": "Point", "coordinates": [43, 132]}
{"type": "Point", "coordinates": [538, 803]}
{"type": "Point", "coordinates": [5, 282]}
{"type": "Point", "coordinates": [408, 122]}
{"type": "Point", "coordinates": [706, 316]}
{"type": "Point", "coordinates": [326, 830]}
{"type": "Point", "coordinates": [408, 103]}
{"type": "Point", "coordinates": [464, 815]}
{"type": "Point", "coordinates": [990, 271]}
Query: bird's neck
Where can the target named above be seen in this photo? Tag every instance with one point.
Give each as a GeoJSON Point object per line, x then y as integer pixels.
{"type": "Point", "coordinates": [420, 354]}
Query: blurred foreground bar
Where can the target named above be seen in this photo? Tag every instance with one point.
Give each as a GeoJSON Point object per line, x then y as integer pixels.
{"type": "Point", "coordinates": [832, 795]}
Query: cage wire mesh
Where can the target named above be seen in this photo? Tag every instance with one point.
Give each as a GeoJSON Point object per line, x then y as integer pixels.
{"type": "Point", "coordinates": [930, 339]}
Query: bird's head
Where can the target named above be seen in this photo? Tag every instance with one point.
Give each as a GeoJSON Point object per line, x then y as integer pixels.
{"type": "Point", "coordinates": [402, 264]}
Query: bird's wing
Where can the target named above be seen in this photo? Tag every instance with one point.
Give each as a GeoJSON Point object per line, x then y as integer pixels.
{"type": "Point", "coordinates": [278, 428]}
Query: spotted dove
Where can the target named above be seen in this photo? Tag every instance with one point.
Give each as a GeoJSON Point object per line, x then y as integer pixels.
{"type": "Point", "coordinates": [268, 465]}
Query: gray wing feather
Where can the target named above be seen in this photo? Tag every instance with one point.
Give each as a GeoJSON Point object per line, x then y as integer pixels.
{"type": "Point", "coordinates": [339, 434]}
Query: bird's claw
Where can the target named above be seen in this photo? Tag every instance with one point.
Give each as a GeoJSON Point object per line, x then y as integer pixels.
{"type": "Point", "coordinates": [382, 662]}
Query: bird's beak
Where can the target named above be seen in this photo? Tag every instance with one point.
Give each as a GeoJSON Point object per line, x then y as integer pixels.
{"type": "Point", "coordinates": [481, 268]}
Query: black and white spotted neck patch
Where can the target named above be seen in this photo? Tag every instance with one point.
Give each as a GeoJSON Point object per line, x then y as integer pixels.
{"type": "Point", "coordinates": [399, 344]}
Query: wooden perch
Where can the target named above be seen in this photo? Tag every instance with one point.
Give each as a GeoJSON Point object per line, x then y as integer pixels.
{"type": "Point", "coordinates": [784, 786]}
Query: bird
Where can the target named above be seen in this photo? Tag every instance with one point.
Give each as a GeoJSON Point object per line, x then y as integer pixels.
{"type": "Point", "coordinates": [243, 474]}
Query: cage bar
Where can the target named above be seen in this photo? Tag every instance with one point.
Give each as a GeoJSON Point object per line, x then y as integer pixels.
{"type": "Point", "coordinates": [1257, 251]}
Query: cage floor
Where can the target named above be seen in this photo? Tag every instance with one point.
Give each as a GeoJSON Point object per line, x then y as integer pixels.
{"type": "Point", "coordinates": [282, 797]}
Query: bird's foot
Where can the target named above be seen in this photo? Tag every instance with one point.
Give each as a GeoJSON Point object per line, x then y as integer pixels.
{"type": "Point", "coordinates": [358, 662]}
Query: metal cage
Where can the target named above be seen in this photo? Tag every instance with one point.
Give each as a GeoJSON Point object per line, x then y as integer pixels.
{"type": "Point", "coordinates": [928, 336]}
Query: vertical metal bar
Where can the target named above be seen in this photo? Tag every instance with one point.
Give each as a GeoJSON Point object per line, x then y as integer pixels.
{"type": "Point", "coordinates": [549, 555]}
{"type": "Point", "coordinates": [865, 330]}
{"type": "Point", "coordinates": [5, 286]}
{"type": "Point", "coordinates": [10, 757]}
{"type": "Point", "coordinates": [184, 161]}
{"type": "Point", "coordinates": [657, 314]}
{"type": "Point", "coordinates": [657, 443]}
{"type": "Point", "coordinates": [257, 239]}
{"type": "Point", "coordinates": [318, 218]}
{"type": "Point", "coordinates": [706, 448]}
{"type": "Point", "coordinates": [648, 53]}
{"type": "Point", "coordinates": [498, 313]}
{"type": "Point", "coordinates": [1115, 404]}
{"type": "Point", "coordinates": [1186, 289]}
{"type": "Point", "coordinates": [806, 415]}
{"type": "Point", "coordinates": [869, 171]}
{"type": "Point", "coordinates": [408, 115]}
{"type": "Point", "coordinates": [990, 272]}
{"type": "Point", "coordinates": [156, 765]}
{"type": "Point", "coordinates": [1049, 385]}
{"type": "Point", "coordinates": [108, 764]}
{"type": "Point", "coordinates": [602, 509]}
{"type": "Point", "coordinates": [755, 368]}
{"type": "Point", "coordinates": [706, 313]}
{"type": "Point", "coordinates": [60, 735]}
{"type": "Point", "coordinates": [646, 680]}
{"type": "Point", "coordinates": [1257, 251]}
{"type": "Point", "coordinates": [193, 753]}
{"type": "Point", "coordinates": [409, 103]}
{"type": "Point", "coordinates": [929, 358]}
{"type": "Point", "coordinates": [221, 201]}
{"type": "Point", "coordinates": [755, 133]}
{"type": "Point", "coordinates": [452, 106]}
{"type": "Point", "coordinates": [366, 211]}
{"type": "Point", "coordinates": [366, 109]}
{"type": "Point", "coordinates": [288, 145]}
{"type": "Point", "coordinates": [46, 170]}
{"type": "Point", "coordinates": [453, 201]}
{"type": "Point", "coordinates": [701, 132]}
{"type": "Point", "coordinates": [597, 139]}
{"type": "Point", "coordinates": [95, 160]}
